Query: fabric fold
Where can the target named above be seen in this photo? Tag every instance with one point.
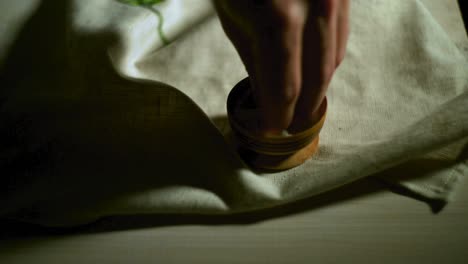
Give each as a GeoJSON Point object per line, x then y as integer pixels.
{"type": "Point", "coordinates": [98, 118]}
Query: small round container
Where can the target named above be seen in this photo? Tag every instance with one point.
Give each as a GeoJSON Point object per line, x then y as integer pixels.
{"type": "Point", "coordinates": [270, 153]}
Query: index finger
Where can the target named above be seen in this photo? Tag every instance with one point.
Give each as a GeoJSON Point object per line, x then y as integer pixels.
{"type": "Point", "coordinates": [319, 61]}
{"type": "Point", "coordinates": [277, 70]}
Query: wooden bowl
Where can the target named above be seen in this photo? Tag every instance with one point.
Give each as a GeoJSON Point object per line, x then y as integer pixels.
{"type": "Point", "coordinates": [273, 152]}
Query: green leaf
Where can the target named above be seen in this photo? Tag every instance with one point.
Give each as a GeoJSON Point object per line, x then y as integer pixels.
{"type": "Point", "coordinates": [141, 2]}
{"type": "Point", "coordinates": [148, 4]}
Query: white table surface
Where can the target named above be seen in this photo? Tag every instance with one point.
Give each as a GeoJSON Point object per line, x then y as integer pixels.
{"type": "Point", "coordinates": [360, 223]}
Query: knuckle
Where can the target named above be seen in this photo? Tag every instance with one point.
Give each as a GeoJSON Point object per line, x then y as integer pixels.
{"type": "Point", "coordinates": [288, 14]}
{"type": "Point", "coordinates": [287, 95]}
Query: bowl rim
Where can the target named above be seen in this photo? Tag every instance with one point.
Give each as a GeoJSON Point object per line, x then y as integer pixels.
{"type": "Point", "coordinates": [272, 144]}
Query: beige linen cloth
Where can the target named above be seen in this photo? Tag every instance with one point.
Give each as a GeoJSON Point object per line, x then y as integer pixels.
{"type": "Point", "coordinates": [99, 118]}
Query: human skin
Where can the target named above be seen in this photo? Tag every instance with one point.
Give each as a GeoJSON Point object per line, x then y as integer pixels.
{"type": "Point", "coordinates": [291, 49]}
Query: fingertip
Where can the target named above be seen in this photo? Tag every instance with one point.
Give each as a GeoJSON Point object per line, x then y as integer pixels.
{"type": "Point", "coordinates": [274, 121]}
{"type": "Point", "coordinates": [342, 31]}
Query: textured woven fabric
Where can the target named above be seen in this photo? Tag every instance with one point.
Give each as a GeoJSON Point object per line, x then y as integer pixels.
{"type": "Point", "coordinates": [99, 118]}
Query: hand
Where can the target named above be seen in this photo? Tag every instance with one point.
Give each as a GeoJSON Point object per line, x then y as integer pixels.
{"type": "Point", "coordinates": [290, 49]}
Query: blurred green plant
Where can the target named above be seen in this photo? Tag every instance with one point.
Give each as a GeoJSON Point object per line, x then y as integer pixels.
{"type": "Point", "coordinates": [149, 5]}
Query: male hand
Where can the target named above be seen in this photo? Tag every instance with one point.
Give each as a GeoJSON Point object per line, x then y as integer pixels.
{"type": "Point", "coordinates": [290, 49]}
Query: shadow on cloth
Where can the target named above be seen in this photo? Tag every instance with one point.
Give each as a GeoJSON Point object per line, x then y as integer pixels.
{"type": "Point", "coordinates": [78, 134]}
